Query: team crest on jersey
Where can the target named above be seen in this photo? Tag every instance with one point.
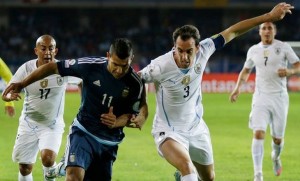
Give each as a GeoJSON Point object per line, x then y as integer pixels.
{"type": "Point", "coordinates": [125, 92]}
{"type": "Point", "coordinates": [60, 81]}
{"type": "Point", "coordinates": [72, 158]}
{"type": "Point", "coordinates": [198, 68]}
{"type": "Point", "coordinates": [186, 80]}
{"type": "Point", "coordinates": [44, 83]}
{"type": "Point", "coordinates": [277, 51]}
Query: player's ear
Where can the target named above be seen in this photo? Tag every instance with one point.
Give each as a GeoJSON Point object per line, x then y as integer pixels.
{"type": "Point", "coordinates": [197, 48]}
{"type": "Point", "coordinates": [131, 59]}
{"type": "Point", "coordinates": [108, 55]}
{"type": "Point", "coordinates": [56, 51]}
{"type": "Point", "coordinates": [36, 51]}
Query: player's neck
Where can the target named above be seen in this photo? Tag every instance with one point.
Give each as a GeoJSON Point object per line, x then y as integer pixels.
{"type": "Point", "coordinates": [267, 42]}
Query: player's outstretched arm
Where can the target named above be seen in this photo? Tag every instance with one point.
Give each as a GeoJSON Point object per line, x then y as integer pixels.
{"type": "Point", "coordinates": [277, 13]}
{"type": "Point", "coordinates": [41, 72]}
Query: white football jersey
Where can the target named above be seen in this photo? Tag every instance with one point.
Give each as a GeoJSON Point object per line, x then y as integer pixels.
{"type": "Point", "coordinates": [178, 94]}
{"type": "Point", "coordinates": [267, 59]}
{"type": "Point", "coordinates": [44, 99]}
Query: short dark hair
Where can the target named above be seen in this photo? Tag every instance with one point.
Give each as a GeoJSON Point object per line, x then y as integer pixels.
{"type": "Point", "coordinates": [186, 32]}
{"type": "Point", "coordinates": [121, 47]}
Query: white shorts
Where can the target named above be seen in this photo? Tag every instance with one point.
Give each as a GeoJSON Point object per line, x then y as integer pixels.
{"type": "Point", "coordinates": [196, 141]}
{"type": "Point", "coordinates": [269, 109]}
{"type": "Point", "coordinates": [33, 137]}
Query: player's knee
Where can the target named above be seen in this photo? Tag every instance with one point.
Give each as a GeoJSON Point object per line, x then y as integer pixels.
{"type": "Point", "coordinates": [25, 169]}
{"type": "Point", "coordinates": [74, 174]}
{"type": "Point", "coordinates": [277, 141]}
{"type": "Point", "coordinates": [48, 157]}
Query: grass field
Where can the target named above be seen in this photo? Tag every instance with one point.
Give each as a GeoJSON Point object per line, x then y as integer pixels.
{"type": "Point", "coordinates": [137, 157]}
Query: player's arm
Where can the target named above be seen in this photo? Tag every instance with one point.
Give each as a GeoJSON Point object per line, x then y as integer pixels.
{"type": "Point", "coordinates": [137, 121]}
{"type": "Point", "coordinates": [292, 71]}
{"type": "Point", "coordinates": [277, 13]}
{"type": "Point", "coordinates": [243, 77]}
{"type": "Point", "coordinates": [6, 75]}
{"type": "Point", "coordinates": [112, 121]}
{"type": "Point", "coordinates": [41, 72]}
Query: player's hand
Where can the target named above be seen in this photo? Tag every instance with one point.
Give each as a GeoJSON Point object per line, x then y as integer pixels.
{"type": "Point", "coordinates": [234, 95]}
{"type": "Point", "coordinates": [11, 96]}
{"type": "Point", "coordinates": [109, 118]}
{"type": "Point", "coordinates": [10, 111]}
{"type": "Point", "coordinates": [283, 72]}
{"type": "Point", "coordinates": [136, 121]}
{"type": "Point", "coordinates": [280, 10]}
{"type": "Point", "coordinates": [11, 93]}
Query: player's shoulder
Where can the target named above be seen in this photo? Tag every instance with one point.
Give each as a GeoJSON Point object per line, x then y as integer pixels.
{"type": "Point", "coordinates": [163, 59]}
{"type": "Point", "coordinates": [92, 60]}
{"type": "Point", "coordinates": [29, 65]}
{"type": "Point", "coordinates": [133, 76]}
{"type": "Point", "coordinates": [279, 43]}
{"type": "Point", "coordinates": [256, 47]}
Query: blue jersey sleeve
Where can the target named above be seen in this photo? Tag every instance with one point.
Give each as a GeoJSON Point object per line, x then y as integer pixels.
{"type": "Point", "coordinates": [68, 68]}
{"type": "Point", "coordinates": [219, 41]}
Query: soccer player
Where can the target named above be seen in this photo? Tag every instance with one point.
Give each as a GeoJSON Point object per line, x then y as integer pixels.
{"type": "Point", "coordinates": [179, 130]}
{"type": "Point", "coordinates": [41, 123]}
{"type": "Point", "coordinates": [270, 102]}
{"type": "Point", "coordinates": [113, 96]}
{"type": "Point", "coordinates": [6, 75]}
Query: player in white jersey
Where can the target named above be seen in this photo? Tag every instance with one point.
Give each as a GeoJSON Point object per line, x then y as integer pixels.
{"type": "Point", "coordinates": [270, 102]}
{"type": "Point", "coordinates": [180, 133]}
{"type": "Point", "coordinates": [41, 123]}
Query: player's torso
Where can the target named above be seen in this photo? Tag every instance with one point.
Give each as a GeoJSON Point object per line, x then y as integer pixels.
{"type": "Point", "coordinates": [179, 93]}
{"type": "Point", "coordinates": [267, 60]}
{"type": "Point", "coordinates": [44, 99]}
{"type": "Point", "coordinates": [102, 91]}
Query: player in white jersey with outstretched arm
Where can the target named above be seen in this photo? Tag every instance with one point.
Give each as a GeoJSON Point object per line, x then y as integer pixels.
{"type": "Point", "coordinates": [41, 123]}
{"type": "Point", "coordinates": [180, 133]}
{"type": "Point", "coordinates": [270, 102]}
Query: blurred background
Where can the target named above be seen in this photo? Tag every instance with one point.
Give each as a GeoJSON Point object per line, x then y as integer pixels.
{"type": "Point", "coordinates": [86, 27]}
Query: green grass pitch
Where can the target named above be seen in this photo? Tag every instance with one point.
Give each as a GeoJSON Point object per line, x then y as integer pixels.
{"type": "Point", "coordinates": [137, 157]}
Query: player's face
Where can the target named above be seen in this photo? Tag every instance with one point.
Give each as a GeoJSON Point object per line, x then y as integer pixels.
{"type": "Point", "coordinates": [118, 67]}
{"type": "Point", "coordinates": [45, 50]}
{"type": "Point", "coordinates": [185, 52]}
{"type": "Point", "coordinates": [267, 32]}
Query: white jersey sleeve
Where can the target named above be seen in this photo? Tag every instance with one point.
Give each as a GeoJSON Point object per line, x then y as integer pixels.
{"type": "Point", "coordinates": [43, 99]}
{"type": "Point", "coordinates": [178, 94]}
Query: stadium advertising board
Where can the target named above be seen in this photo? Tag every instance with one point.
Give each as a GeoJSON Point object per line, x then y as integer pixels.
{"type": "Point", "coordinates": [225, 83]}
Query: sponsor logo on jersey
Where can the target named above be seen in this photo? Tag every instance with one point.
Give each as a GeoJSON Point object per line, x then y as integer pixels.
{"type": "Point", "coordinates": [44, 83]}
{"type": "Point", "coordinates": [69, 62]}
{"type": "Point", "coordinates": [198, 68]}
{"type": "Point", "coordinates": [97, 83]}
{"type": "Point", "coordinates": [72, 62]}
{"type": "Point", "coordinates": [60, 81]}
{"type": "Point", "coordinates": [125, 92]}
